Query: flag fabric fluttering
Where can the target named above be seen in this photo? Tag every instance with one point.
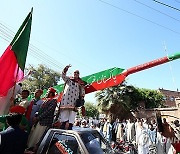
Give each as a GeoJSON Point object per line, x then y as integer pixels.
{"type": "Point", "coordinates": [114, 76]}
{"type": "Point", "coordinates": [96, 81]}
{"type": "Point", "coordinates": [12, 62]}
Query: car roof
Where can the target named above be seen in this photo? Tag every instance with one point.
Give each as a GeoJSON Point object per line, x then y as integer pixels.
{"type": "Point", "coordinates": [78, 130]}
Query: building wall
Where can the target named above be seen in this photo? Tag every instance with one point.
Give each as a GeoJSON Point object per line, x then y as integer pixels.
{"type": "Point", "coordinates": [173, 114]}
{"type": "Point", "coordinates": [168, 113]}
{"type": "Point", "coordinates": [171, 111]}
{"type": "Point", "coordinates": [170, 97]}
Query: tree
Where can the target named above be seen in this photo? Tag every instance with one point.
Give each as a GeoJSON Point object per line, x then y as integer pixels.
{"type": "Point", "coordinates": [151, 98]}
{"type": "Point", "coordinates": [91, 110]}
{"type": "Point", "coordinates": [120, 100]}
{"type": "Point", "coordinates": [42, 77]}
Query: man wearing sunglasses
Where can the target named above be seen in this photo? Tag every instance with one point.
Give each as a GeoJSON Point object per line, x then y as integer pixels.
{"type": "Point", "coordinates": [73, 90]}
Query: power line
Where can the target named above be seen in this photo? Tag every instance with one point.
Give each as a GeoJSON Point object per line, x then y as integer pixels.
{"type": "Point", "coordinates": [140, 17]}
{"type": "Point", "coordinates": [5, 39]}
{"type": "Point", "coordinates": [167, 5]}
{"type": "Point", "coordinates": [4, 34]}
{"type": "Point", "coordinates": [170, 67]}
{"type": "Point", "coordinates": [6, 27]}
{"type": "Point", "coordinates": [36, 54]}
{"type": "Point", "coordinates": [157, 11]}
{"type": "Point", "coordinates": [34, 51]}
{"type": "Point", "coordinates": [177, 1]}
{"type": "Point", "coordinates": [12, 33]}
{"type": "Point", "coordinates": [46, 55]}
{"type": "Point", "coordinates": [83, 64]}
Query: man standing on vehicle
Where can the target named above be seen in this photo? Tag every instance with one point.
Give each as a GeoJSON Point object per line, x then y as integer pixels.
{"type": "Point", "coordinates": [44, 120]}
{"type": "Point", "coordinates": [34, 106]}
{"type": "Point", "coordinates": [73, 90]}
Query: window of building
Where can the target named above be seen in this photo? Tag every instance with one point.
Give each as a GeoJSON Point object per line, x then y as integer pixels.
{"type": "Point", "coordinates": [164, 98]}
{"type": "Point", "coordinates": [171, 98]}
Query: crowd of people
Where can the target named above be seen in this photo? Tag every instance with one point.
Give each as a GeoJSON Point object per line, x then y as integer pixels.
{"type": "Point", "coordinates": [39, 114]}
{"type": "Point", "coordinates": [146, 135]}
{"type": "Point", "coordinates": [27, 121]}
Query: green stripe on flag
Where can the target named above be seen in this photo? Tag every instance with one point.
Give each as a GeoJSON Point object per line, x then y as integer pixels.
{"type": "Point", "coordinates": [20, 42]}
{"type": "Point", "coordinates": [174, 56]}
{"type": "Point", "coordinates": [96, 77]}
{"type": "Point", "coordinates": [102, 75]}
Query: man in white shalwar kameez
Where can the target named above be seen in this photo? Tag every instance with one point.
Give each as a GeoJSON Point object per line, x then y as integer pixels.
{"type": "Point", "coordinates": [143, 140]}
{"type": "Point", "coordinates": [164, 145]}
{"type": "Point", "coordinates": [130, 130]}
{"type": "Point", "coordinates": [73, 89]}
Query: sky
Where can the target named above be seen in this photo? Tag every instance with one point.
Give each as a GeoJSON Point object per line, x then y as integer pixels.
{"type": "Point", "coordinates": [95, 35]}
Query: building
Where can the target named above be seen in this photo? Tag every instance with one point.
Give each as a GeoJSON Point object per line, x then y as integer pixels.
{"type": "Point", "coordinates": [171, 111]}
{"type": "Point", "coordinates": [171, 98]}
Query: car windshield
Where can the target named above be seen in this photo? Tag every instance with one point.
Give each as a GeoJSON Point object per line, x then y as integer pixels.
{"type": "Point", "coordinates": [95, 143]}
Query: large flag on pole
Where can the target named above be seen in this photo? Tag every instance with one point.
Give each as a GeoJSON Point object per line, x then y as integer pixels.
{"type": "Point", "coordinates": [12, 62]}
{"type": "Point", "coordinates": [115, 76]}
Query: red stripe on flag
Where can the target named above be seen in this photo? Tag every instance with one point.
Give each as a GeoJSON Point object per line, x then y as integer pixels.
{"type": "Point", "coordinates": [9, 72]}
{"type": "Point", "coordinates": [106, 83]}
{"type": "Point", "coordinates": [113, 81]}
{"type": "Point", "coordinates": [147, 65]}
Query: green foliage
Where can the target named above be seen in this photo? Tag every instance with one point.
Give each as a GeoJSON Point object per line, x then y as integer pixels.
{"type": "Point", "coordinates": [127, 98]}
{"type": "Point", "coordinates": [151, 98]}
{"type": "Point", "coordinates": [42, 77]}
{"type": "Point", "coordinates": [122, 95]}
{"type": "Point", "coordinates": [91, 110]}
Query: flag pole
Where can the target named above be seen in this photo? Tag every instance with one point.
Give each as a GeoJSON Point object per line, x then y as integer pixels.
{"type": "Point", "coordinates": [12, 97]}
{"type": "Point", "coordinates": [13, 42]}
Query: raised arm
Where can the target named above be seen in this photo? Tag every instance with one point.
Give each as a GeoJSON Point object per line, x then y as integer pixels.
{"type": "Point", "coordinates": [64, 77]}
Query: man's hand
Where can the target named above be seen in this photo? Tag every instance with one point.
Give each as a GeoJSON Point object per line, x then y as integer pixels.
{"type": "Point", "coordinates": [57, 124]}
{"type": "Point", "coordinates": [30, 72]}
{"type": "Point", "coordinates": [66, 68]}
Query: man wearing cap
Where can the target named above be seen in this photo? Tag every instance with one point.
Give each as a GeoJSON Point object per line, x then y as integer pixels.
{"type": "Point", "coordinates": [18, 110]}
{"type": "Point", "coordinates": [73, 90]}
{"type": "Point", "coordinates": [34, 106]}
{"type": "Point", "coordinates": [44, 118]}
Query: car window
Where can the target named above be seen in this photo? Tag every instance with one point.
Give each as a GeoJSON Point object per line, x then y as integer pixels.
{"type": "Point", "coordinates": [94, 143]}
{"type": "Point", "coordinates": [64, 144]}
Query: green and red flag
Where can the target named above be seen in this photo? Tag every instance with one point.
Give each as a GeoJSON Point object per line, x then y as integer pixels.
{"type": "Point", "coordinates": [115, 76]}
{"type": "Point", "coordinates": [103, 79]}
{"type": "Point", "coordinates": [12, 62]}
{"type": "Point", "coordinates": [98, 81]}
{"type": "Point", "coordinates": [152, 63]}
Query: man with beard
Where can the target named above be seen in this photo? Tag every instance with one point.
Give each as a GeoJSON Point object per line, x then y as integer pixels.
{"type": "Point", "coordinates": [44, 120]}
{"type": "Point", "coordinates": [73, 90]}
